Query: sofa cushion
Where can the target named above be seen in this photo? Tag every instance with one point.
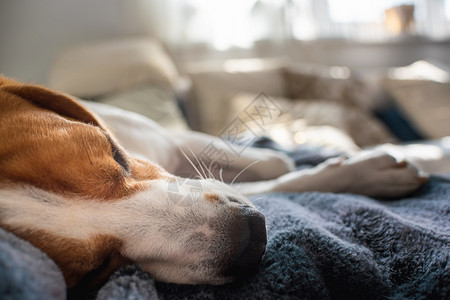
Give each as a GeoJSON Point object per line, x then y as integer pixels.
{"type": "Point", "coordinates": [97, 69]}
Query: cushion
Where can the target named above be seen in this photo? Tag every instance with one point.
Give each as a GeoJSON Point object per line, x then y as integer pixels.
{"type": "Point", "coordinates": [421, 70]}
{"type": "Point", "coordinates": [316, 121]}
{"type": "Point", "coordinates": [155, 103]}
{"type": "Point", "coordinates": [335, 84]}
{"type": "Point", "coordinates": [92, 70]}
{"type": "Point", "coordinates": [425, 103]}
{"type": "Point", "coordinates": [213, 86]}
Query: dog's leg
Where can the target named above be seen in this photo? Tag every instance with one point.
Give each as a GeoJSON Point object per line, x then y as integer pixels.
{"type": "Point", "coordinates": [374, 174]}
{"type": "Point", "coordinates": [174, 150]}
{"type": "Point", "coordinates": [431, 156]}
{"type": "Point", "coordinates": [217, 158]}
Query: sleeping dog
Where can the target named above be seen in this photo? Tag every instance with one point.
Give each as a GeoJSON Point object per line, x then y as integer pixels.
{"type": "Point", "coordinates": [96, 188]}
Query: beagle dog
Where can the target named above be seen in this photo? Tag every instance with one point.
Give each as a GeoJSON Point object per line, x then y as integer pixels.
{"type": "Point", "coordinates": [96, 187]}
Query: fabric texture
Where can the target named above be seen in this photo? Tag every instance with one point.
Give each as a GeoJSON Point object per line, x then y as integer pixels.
{"type": "Point", "coordinates": [154, 102]}
{"type": "Point", "coordinates": [332, 246]}
{"type": "Point", "coordinates": [425, 103]}
{"type": "Point", "coordinates": [320, 246]}
{"type": "Point", "coordinates": [26, 273]}
{"type": "Point", "coordinates": [331, 83]}
{"type": "Point", "coordinates": [212, 89]}
{"type": "Point", "coordinates": [316, 121]}
{"type": "Point", "coordinates": [328, 246]}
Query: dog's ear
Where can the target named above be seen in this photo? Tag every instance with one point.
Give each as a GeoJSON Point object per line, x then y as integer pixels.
{"type": "Point", "coordinates": [42, 97]}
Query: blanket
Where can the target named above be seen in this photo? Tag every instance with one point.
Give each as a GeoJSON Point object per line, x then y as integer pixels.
{"type": "Point", "coordinates": [320, 246]}
{"type": "Point", "coordinates": [26, 272]}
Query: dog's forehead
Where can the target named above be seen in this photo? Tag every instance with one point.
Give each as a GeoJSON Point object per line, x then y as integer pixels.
{"type": "Point", "coordinates": [15, 94]}
{"type": "Point", "coordinates": [65, 155]}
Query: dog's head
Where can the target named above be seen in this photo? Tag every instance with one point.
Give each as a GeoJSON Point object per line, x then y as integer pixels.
{"type": "Point", "coordinates": [67, 186]}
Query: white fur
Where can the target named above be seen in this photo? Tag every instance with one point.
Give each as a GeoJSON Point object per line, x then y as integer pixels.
{"type": "Point", "coordinates": [153, 228]}
{"type": "Point", "coordinates": [371, 173]}
{"type": "Point", "coordinates": [171, 228]}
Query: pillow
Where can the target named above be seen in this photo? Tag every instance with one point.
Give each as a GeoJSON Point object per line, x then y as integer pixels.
{"type": "Point", "coordinates": [213, 86]}
{"type": "Point", "coordinates": [421, 70]}
{"type": "Point", "coordinates": [153, 102]}
{"type": "Point", "coordinates": [425, 103]}
{"type": "Point", "coordinates": [97, 69]}
{"type": "Point", "coordinates": [334, 84]}
{"type": "Point", "coordinates": [316, 121]}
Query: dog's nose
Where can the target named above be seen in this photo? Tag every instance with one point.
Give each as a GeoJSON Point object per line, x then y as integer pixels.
{"type": "Point", "coordinates": [251, 245]}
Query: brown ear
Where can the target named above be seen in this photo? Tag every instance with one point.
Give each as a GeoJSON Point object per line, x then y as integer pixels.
{"type": "Point", "coordinates": [48, 99]}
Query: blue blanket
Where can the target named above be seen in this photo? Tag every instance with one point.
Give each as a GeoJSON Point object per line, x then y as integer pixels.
{"type": "Point", "coordinates": [331, 246]}
{"type": "Point", "coordinates": [327, 246]}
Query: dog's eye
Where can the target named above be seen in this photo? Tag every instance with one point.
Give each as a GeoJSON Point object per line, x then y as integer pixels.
{"type": "Point", "coordinates": [120, 159]}
{"type": "Point", "coordinates": [118, 155]}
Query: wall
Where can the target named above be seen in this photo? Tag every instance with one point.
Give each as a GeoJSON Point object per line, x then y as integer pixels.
{"type": "Point", "coordinates": [34, 32]}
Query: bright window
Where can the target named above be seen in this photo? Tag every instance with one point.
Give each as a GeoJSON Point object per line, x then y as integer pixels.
{"type": "Point", "coordinates": [370, 20]}
{"type": "Point", "coordinates": [356, 11]}
{"type": "Point", "coordinates": [447, 9]}
{"type": "Point", "coordinates": [226, 24]}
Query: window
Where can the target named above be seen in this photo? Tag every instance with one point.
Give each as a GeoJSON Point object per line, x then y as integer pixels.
{"type": "Point", "coordinates": [370, 20]}
{"type": "Point", "coordinates": [241, 24]}
{"type": "Point", "coordinates": [354, 11]}
{"type": "Point", "coordinates": [233, 23]}
{"type": "Point", "coordinates": [447, 9]}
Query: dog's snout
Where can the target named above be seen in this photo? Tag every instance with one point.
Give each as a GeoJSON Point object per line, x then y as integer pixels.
{"type": "Point", "coordinates": [252, 241]}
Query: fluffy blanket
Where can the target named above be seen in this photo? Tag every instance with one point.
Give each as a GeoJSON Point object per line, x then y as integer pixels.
{"type": "Point", "coordinates": [26, 272]}
{"type": "Point", "coordinates": [320, 246]}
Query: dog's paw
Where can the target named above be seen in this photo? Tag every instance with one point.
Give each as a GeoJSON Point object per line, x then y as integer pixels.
{"type": "Point", "coordinates": [380, 175]}
{"type": "Point", "coordinates": [269, 164]}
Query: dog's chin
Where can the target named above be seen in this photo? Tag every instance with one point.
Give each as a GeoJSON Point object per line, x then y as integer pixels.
{"type": "Point", "coordinates": [185, 276]}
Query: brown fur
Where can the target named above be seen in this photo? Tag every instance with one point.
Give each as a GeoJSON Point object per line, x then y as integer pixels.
{"type": "Point", "coordinates": [75, 157]}
{"type": "Point", "coordinates": [211, 197]}
{"type": "Point", "coordinates": [49, 141]}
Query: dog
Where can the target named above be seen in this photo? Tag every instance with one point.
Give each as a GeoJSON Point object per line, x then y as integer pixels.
{"type": "Point", "coordinates": [95, 188]}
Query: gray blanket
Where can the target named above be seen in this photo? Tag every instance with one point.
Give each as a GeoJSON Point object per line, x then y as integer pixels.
{"type": "Point", "coordinates": [320, 246]}
{"type": "Point", "coordinates": [327, 246]}
{"type": "Point", "coordinates": [27, 273]}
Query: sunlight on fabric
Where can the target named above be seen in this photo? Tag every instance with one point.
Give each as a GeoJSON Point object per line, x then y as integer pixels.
{"type": "Point", "coordinates": [420, 70]}
{"type": "Point", "coordinates": [432, 157]}
{"type": "Point", "coordinates": [249, 64]}
{"type": "Point", "coordinates": [446, 142]}
{"type": "Point", "coordinates": [339, 72]}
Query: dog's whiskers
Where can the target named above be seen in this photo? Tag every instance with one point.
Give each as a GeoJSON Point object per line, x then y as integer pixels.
{"type": "Point", "coordinates": [243, 170]}
{"type": "Point", "coordinates": [257, 199]}
{"type": "Point", "coordinates": [190, 161]}
{"type": "Point", "coordinates": [210, 167]}
{"type": "Point", "coordinates": [209, 170]}
{"type": "Point", "coordinates": [199, 162]}
{"type": "Point", "coordinates": [221, 175]}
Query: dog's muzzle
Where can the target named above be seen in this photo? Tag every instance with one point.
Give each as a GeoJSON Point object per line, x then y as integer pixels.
{"type": "Point", "coordinates": [252, 240]}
